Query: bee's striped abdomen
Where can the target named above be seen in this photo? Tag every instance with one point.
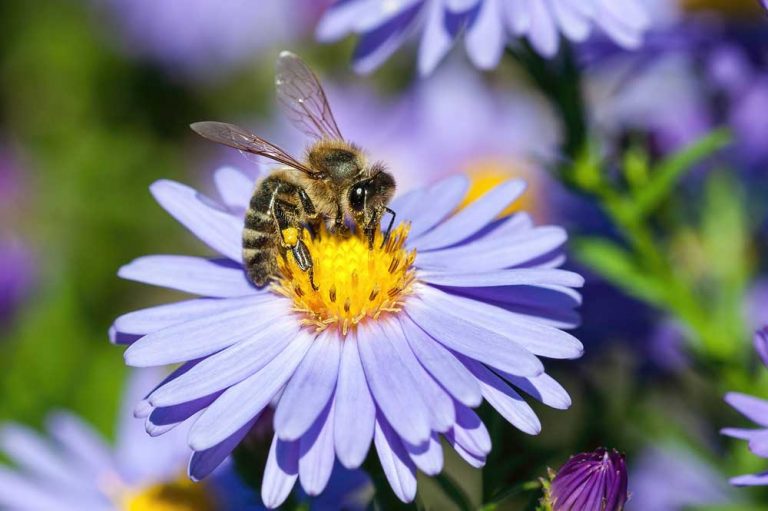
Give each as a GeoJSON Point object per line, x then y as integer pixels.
{"type": "Point", "coordinates": [260, 243]}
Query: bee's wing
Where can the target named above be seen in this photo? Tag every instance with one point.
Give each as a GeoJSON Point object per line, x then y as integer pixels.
{"type": "Point", "coordinates": [242, 139]}
{"type": "Point", "coordinates": [303, 99]}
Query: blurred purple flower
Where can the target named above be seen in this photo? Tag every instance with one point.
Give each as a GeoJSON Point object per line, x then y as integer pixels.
{"type": "Point", "coordinates": [756, 410]}
{"type": "Point", "coordinates": [399, 377]}
{"type": "Point", "coordinates": [201, 38]}
{"type": "Point", "coordinates": [16, 277]}
{"type": "Point", "coordinates": [695, 73]}
{"type": "Point", "coordinates": [673, 479]}
{"type": "Point", "coordinates": [487, 26]}
{"type": "Point", "coordinates": [592, 481]}
{"type": "Point", "coordinates": [73, 469]}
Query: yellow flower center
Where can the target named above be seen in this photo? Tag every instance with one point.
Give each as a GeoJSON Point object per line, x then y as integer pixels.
{"type": "Point", "coordinates": [179, 495]}
{"type": "Point", "coordinates": [352, 281]}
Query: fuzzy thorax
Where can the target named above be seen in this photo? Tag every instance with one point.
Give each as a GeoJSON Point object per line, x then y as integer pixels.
{"type": "Point", "coordinates": [353, 282]}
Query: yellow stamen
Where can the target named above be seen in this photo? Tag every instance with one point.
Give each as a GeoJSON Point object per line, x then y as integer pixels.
{"type": "Point", "coordinates": [353, 281]}
{"type": "Point", "coordinates": [179, 495]}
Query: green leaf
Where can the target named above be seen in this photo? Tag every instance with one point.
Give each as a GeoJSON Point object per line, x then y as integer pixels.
{"type": "Point", "coordinates": [667, 174]}
{"type": "Point", "coordinates": [617, 265]}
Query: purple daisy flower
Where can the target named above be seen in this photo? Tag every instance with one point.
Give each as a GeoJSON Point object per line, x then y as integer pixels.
{"type": "Point", "coordinates": [756, 410]}
{"type": "Point", "coordinates": [396, 346]}
{"type": "Point", "coordinates": [201, 38]}
{"type": "Point", "coordinates": [74, 469]}
{"type": "Point", "coordinates": [591, 481]}
{"type": "Point", "coordinates": [486, 24]}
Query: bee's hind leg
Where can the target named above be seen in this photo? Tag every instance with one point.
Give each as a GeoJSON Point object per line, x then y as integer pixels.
{"type": "Point", "coordinates": [301, 254]}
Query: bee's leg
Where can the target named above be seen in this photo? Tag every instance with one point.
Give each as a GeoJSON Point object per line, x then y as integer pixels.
{"type": "Point", "coordinates": [304, 261]}
{"type": "Point", "coordinates": [370, 231]}
{"type": "Point", "coordinates": [389, 226]}
{"type": "Point", "coordinates": [286, 216]}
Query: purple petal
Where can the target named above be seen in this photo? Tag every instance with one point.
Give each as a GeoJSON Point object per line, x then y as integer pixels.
{"type": "Point", "coordinates": [512, 277]}
{"type": "Point", "coordinates": [229, 366]}
{"type": "Point", "coordinates": [428, 457]}
{"type": "Point", "coordinates": [451, 328]}
{"type": "Point", "coordinates": [495, 253]}
{"type": "Point", "coordinates": [758, 444]}
{"type": "Point", "coordinates": [741, 433]}
{"type": "Point", "coordinates": [355, 412]}
{"type": "Point", "coordinates": [470, 433]}
{"type": "Point", "coordinates": [410, 204]}
{"type": "Point", "coordinates": [572, 21]}
{"type": "Point", "coordinates": [486, 37]}
{"type": "Point", "coordinates": [206, 219]}
{"type": "Point", "coordinates": [165, 418]}
{"type": "Point", "coordinates": [148, 320]}
{"type": "Point", "coordinates": [750, 480]}
{"type": "Point", "coordinates": [204, 336]}
{"type": "Point", "coordinates": [398, 467]}
{"type": "Point", "coordinates": [79, 440]}
{"type": "Point", "coordinates": [339, 20]}
{"type": "Point", "coordinates": [241, 402]}
{"type": "Point", "coordinates": [534, 336]}
{"type": "Point", "coordinates": [436, 40]}
{"type": "Point", "coordinates": [280, 473]}
{"type": "Point", "coordinates": [204, 462]}
{"type": "Point", "coordinates": [392, 385]}
{"type": "Point", "coordinates": [36, 456]}
{"type": "Point", "coordinates": [504, 399]}
{"type": "Point", "coordinates": [18, 493]}
{"type": "Point", "coordinates": [472, 218]}
{"type": "Point", "coordinates": [444, 197]}
{"type": "Point", "coordinates": [377, 45]}
{"type": "Point", "coordinates": [441, 411]}
{"type": "Point", "coordinates": [235, 188]}
{"type": "Point", "coordinates": [542, 388]}
{"type": "Point", "coordinates": [316, 453]}
{"type": "Point", "coordinates": [442, 365]}
{"type": "Point", "coordinates": [205, 277]}
{"type": "Point", "coordinates": [310, 387]}
{"type": "Point", "coordinates": [753, 408]}
{"type": "Point", "coordinates": [542, 31]}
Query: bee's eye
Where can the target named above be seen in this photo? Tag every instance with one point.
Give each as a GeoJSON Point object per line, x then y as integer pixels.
{"type": "Point", "coordinates": [357, 197]}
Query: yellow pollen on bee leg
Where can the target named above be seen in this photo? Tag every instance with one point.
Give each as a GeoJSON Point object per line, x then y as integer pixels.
{"type": "Point", "coordinates": [291, 235]}
{"type": "Point", "coordinates": [353, 281]}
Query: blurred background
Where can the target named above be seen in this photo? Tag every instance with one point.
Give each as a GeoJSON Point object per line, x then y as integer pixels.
{"type": "Point", "coordinates": [95, 102]}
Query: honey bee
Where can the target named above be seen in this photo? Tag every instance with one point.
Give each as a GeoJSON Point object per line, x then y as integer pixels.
{"type": "Point", "coordinates": [333, 184]}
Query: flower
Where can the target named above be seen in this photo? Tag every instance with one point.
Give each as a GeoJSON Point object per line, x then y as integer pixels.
{"type": "Point", "coordinates": [74, 469]}
{"type": "Point", "coordinates": [671, 478]}
{"type": "Point", "coordinates": [383, 26]}
{"type": "Point", "coordinates": [692, 58]}
{"type": "Point", "coordinates": [755, 409]}
{"type": "Point", "coordinates": [591, 481]}
{"type": "Point", "coordinates": [201, 38]}
{"type": "Point", "coordinates": [396, 346]}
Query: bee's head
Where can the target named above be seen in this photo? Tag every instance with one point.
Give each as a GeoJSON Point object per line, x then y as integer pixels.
{"type": "Point", "coordinates": [368, 197]}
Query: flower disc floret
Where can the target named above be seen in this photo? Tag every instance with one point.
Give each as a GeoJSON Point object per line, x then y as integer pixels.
{"type": "Point", "coordinates": [352, 280]}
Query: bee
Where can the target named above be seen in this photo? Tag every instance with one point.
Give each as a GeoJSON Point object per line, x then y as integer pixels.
{"type": "Point", "coordinates": [333, 184]}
